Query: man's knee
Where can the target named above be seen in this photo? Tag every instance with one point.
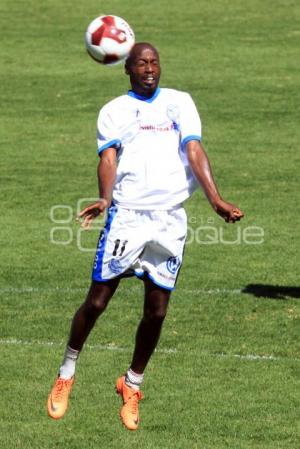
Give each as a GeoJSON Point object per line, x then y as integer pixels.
{"type": "Point", "coordinates": [98, 304]}
{"type": "Point", "coordinates": [156, 302]}
{"type": "Point", "coordinates": [155, 314]}
{"type": "Point", "coordinates": [98, 298]}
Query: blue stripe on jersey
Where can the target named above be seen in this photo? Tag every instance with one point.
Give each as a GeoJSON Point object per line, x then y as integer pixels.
{"type": "Point", "coordinates": [116, 143]}
{"type": "Point", "coordinates": [97, 270]}
{"type": "Point", "coordinates": [131, 93]}
{"type": "Point", "coordinates": [188, 139]}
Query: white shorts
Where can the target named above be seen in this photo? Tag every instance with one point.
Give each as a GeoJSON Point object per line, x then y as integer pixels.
{"type": "Point", "coordinates": [135, 242]}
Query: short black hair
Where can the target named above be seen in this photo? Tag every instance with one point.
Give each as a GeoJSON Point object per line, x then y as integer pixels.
{"type": "Point", "coordinates": [136, 47]}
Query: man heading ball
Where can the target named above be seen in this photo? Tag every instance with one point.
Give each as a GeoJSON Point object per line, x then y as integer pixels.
{"type": "Point", "coordinates": [151, 161]}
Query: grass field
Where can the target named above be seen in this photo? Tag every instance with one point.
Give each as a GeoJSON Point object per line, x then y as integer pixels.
{"type": "Point", "coordinates": [226, 372]}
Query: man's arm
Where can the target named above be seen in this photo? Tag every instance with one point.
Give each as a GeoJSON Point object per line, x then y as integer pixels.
{"type": "Point", "coordinates": [106, 172]}
{"type": "Point", "coordinates": [200, 166]}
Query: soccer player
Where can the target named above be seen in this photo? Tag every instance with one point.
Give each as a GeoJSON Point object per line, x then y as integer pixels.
{"type": "Point", "coordinates": [151, 160]}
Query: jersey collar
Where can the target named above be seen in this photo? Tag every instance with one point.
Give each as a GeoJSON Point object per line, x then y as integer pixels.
{"type": "Point", "coordinates": [142, 98]}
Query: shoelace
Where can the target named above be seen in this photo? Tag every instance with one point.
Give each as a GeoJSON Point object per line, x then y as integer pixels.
{"type": "Point", "coordinates": [132, 401]}
{"type": "Point", "coordinates": [60, 386]}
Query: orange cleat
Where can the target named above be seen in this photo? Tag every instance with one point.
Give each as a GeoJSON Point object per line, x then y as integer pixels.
{"type": "Point", "coordinates": [129, 413]}
{"type": "Point", "coordinates": [58, 398]}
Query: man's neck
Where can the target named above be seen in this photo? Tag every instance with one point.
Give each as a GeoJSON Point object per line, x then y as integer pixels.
{"type": "Point", "coordinates": [144, 96]}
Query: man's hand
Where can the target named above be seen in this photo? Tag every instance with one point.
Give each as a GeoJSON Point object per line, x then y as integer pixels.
{"type": "Point", "coordinates": [228, 211]}
{"type": "Point", "coordinates": [91, 212]}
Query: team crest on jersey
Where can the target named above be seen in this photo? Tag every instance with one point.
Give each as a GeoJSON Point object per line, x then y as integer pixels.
{"type": "Point", "coordinates": [173, 264]}
{"type": "Point", "coordinates": [173, 114]}
{"type": "Point", "coordinates": [115, 266]}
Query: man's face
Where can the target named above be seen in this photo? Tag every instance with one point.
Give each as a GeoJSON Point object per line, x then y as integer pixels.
{"type": "Point", "coordinates": [143, 69]}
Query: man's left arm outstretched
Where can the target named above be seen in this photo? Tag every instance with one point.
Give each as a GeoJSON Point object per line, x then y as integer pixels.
{"type": "Point", "coordinates": [201, 168]}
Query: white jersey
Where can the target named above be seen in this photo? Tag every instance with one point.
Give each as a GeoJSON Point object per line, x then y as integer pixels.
{"type": "Point", "coordinates": [150, 135]}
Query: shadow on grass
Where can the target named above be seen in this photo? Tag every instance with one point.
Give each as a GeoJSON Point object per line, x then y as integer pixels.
{"type": "Point", "coordinates": [272, 291]}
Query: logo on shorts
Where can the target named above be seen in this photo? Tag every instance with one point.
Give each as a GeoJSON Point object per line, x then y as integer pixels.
{"type": "Point", "coordinates": [115, 266]}
{"type": "Point", "coordinates": [173, 264]}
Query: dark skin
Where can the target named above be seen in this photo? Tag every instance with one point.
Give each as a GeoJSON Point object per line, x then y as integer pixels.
{"type": "Point", "coordinates": [143, 69]}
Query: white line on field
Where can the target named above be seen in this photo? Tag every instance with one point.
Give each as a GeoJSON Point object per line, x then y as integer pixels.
{"type": "Point", "coordinates": [209, 291]}
{"type": "Point", "coordinates": [109, 347]}
{"type": "Point", "coordinates": [112, 347]}
{"type": "Point", "coordinates": [41, 290]}
{"type": "Point", "coordinates": [253, 356]}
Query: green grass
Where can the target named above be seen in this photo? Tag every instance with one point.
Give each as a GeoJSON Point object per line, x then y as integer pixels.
{"type": "Point", "coordinates": [226, 373]}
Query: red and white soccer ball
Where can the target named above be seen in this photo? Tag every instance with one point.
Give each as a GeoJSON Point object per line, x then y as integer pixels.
{"type": "Point", "coordinates": [109, 39]}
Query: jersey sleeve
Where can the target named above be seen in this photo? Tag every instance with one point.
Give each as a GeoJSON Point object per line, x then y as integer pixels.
{"type": "Point", "coordinates": [190, 123]}
{"type": "Point", "coordinates": [107, 131]}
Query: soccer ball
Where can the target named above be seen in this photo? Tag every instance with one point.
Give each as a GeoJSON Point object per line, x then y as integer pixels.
{"type": "Point", "coordinates": [109, 39]}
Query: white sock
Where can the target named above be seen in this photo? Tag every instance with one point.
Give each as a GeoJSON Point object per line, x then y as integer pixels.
{"type": "Point", "coordinates": [67, 369]}
{"type": "Point", "coordinates": [133, 380]}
